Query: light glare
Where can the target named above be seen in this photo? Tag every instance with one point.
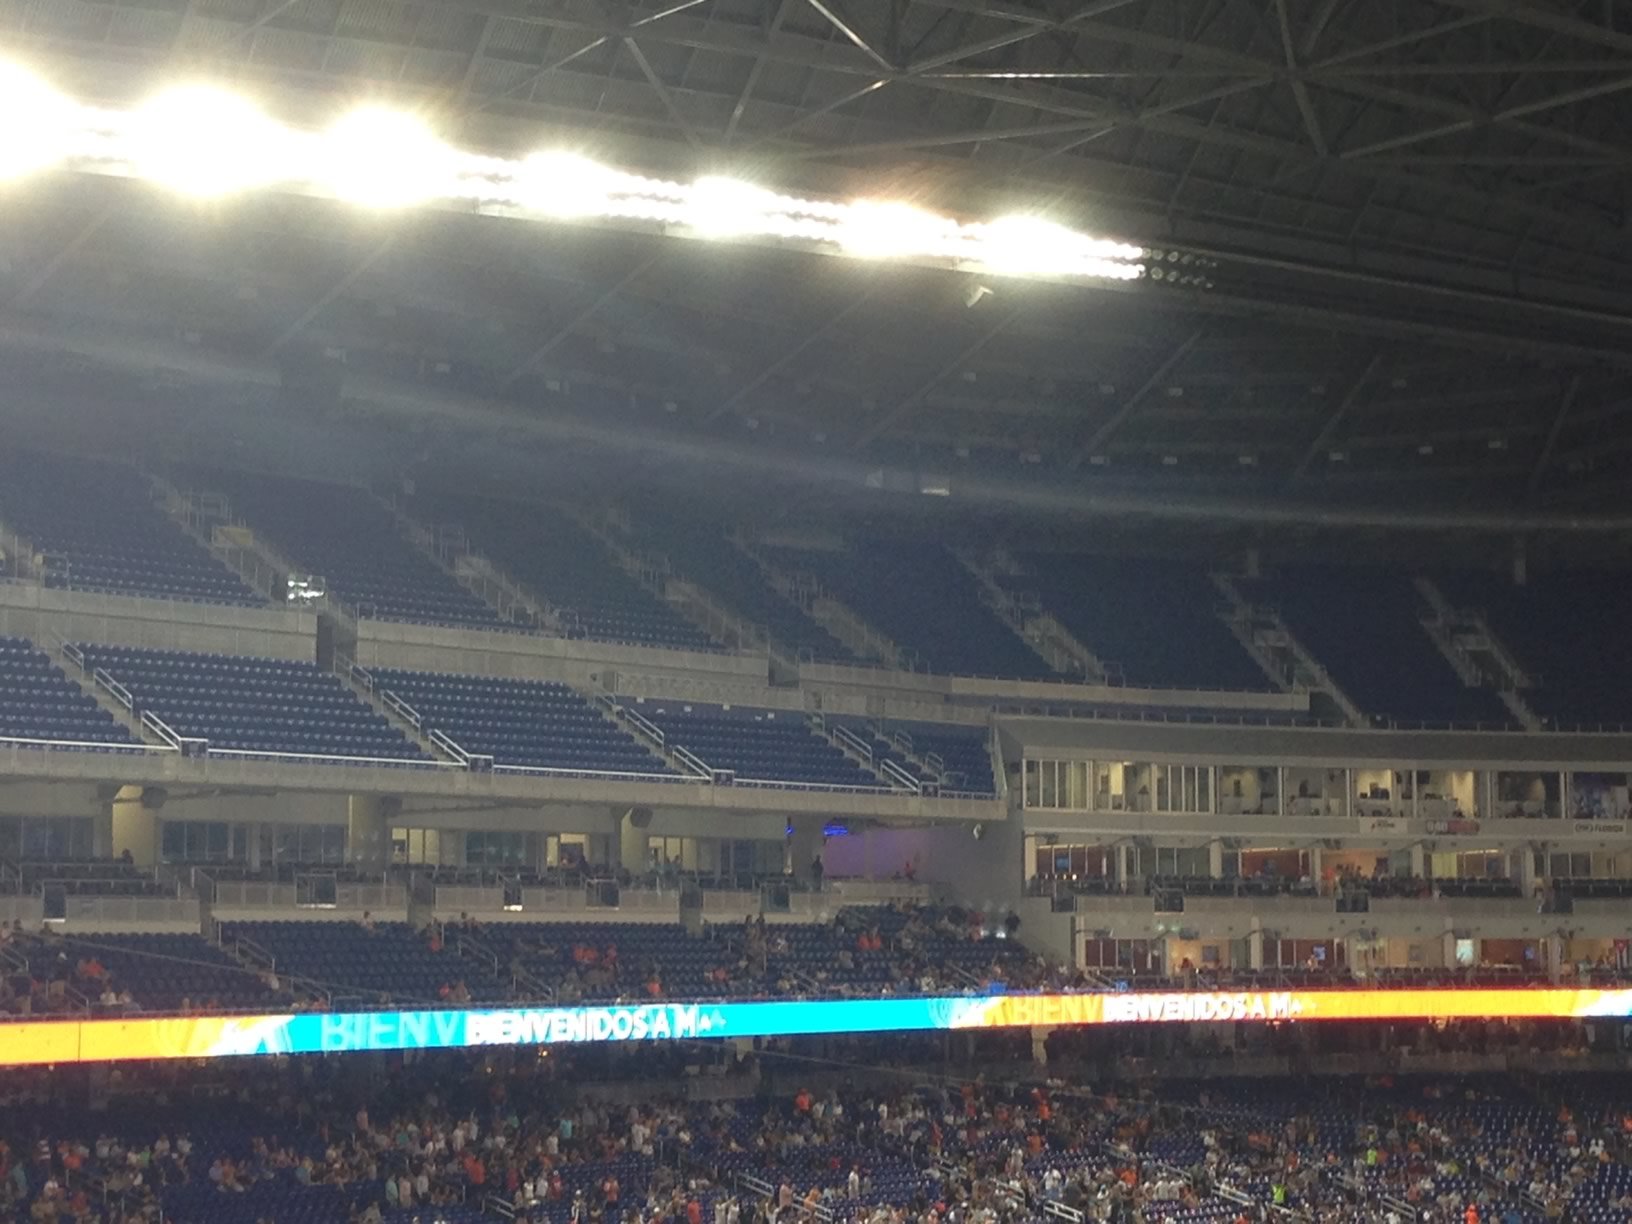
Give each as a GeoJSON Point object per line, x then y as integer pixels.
{"type": "Point", "coordinates": [205, 142]}
{"type": "Point", "coordinates": [38, 120]}
{"type": "Point", "coordinates": [384, 159]}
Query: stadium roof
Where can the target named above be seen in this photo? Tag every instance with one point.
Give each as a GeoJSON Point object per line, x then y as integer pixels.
{"type": "Point", "coordinates": [1418, 213]}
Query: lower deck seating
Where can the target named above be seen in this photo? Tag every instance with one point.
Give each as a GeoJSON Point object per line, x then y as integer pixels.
{"type": "Point", "coordinates": [387, 959]}
{"type": "Point", "coordinates": [39, 702]}
{"type": "Point", "coordinates": [255, 705]}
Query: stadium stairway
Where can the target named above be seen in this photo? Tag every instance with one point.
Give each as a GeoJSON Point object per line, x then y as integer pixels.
{"type": "Point", "coordinates": [863, 752]}
{"type": "Point", "coordinates": [1472, 648]}
{"type": "Point", "coordinates": [1240, 618]}
{"type": "Point", "coordinates": [855, 634]}
{"type": "Point", "coordinates": [74, 668]}
{"type": "Point", "coordinates": [400, 715]}
{"type": "Point", "coordinates": [1040, 629]}
{"type": "Point", "coordinates": [653, 570]}
{"type": "Point", "coordinates": [1271, 636]}
{"type": "Point", "coordinates": [443, 549]}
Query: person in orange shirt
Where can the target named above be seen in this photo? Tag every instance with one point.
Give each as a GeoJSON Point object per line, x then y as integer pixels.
{"type": "Point", "coordinates": [1471, 1215]}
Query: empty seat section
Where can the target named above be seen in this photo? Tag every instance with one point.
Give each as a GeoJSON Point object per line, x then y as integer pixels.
{"type": "Point", "coordinates": [349, 960]}
{"type": "Point", "coordinates": [573, 572]}
{"type": "Point", "coordinates": [921, 598]}
{"type": "Point", "coordinates": [39, 702]}
{"type": "Point", "coordinates": [1365, 627]}
{"type": "Point", "coordinates": [1155, 619]}
{"type": "Point", "coordinates": [531, 723]}
{"type": "Point", "coordinates": [960, 758]}
{"type": "Point", "coordinates": [760, 745]}
{"type": "Point", "coordinates": [95, 527]}
{"type": "Point", "coordinates": [254, 705]}
{"type": "Point", "coordinates": [704, 555]}
{"type": "Point", "coordinates": [1568, 631]}
{"type": "Point", "coordinates": [346, 537]}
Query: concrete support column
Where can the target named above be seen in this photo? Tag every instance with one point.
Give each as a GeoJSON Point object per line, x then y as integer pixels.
{"type": "Point", "coordinates": [1039, 1044]}
{"type": "Point", "coordinates": [1215, 859]}
{"type": "Point", "coordinates": [1255, 944]}
{"type": "Point", "coordinates": [1314, 864]}
{"type": "Point", "coordinates": [368, 833]}
{"type": "Point", "coordinates": [805, 846]}
{"type": "Point", "coordinates": [1419, 860]}
{"type": "Point", "coordinates": [1555, 957]}
{"type": "Point", "coordinates": [131, 823]}
{"type": "Point", "coordinates": [1121, 866]}
{"type": "Point", "coordinates": [1448, 946]}
{"type": "Point", "coordinates": [1525, 869]}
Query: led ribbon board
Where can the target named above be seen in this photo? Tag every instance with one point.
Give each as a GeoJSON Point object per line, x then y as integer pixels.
{"type": "Point", "coordinates": [38, 1042]}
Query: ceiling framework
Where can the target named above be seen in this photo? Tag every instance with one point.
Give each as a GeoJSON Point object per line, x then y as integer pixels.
{"type": "Point", "coordinates": [1416, 220]}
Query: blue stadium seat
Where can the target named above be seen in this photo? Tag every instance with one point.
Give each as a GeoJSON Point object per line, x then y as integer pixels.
{"type": "Point", "coordinates": [254, 705]}
{"type": "Point", "coordinates": [345, 536]}
{"type": "Point", "coordinates": [704, 555]}
{"type": "Point", "coordinates": [1364, 624]}
{"type": "Point", "coordinates": [920, 597]}
{"type": "Point", "coordinates": [39, 702]}
{"type": "Point", "coordinates": [571, 570]}
{"type": "Point", "coordinates": [1568, 631]}
{"type": "Point", "coordinates": [530, 723]}
{"type": "Point", "coordinates": [760, 745]}
{"type": "Point", "coordinates": [1154, 618]}
{"type": "Point", "coordinates": [95, 527]}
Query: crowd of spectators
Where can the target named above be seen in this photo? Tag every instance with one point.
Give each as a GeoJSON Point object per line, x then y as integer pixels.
{"type": "Point", "coordinates": [442, 1136]}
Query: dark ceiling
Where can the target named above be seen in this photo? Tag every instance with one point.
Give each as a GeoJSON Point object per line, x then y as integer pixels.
{"type": "Point", "coordinates": [1418, 210]}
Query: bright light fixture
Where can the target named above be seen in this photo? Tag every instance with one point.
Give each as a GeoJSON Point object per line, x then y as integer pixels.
{"type": "Point", "coordinates": [204, 141]}
{"type": "Point", "coordinates": [884, 230]}
{"type": "Point", "coordinates": [727, 208]}
{"type": "Point", "coordinates": [37, 125]}
{"type": "Point", "coordinates": [382, 159]}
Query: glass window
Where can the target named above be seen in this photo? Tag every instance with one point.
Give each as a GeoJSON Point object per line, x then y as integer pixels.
{"type": "Point", "coordinates": [1033, 796]}
{"type": "Point", "coordinates": [1050, 791]}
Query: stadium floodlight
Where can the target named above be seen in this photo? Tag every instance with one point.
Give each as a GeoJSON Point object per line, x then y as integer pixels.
{"type": "Point", "coordinates": [380, 158]}
{"type": "Point", "coordinates": [37, 126]}
{"type": "Point", "coordinates": [206, 142]}
{"type": "Point", "coordinates": [875, 229]}
{"type": "Point", "coordinates": [729, 208]}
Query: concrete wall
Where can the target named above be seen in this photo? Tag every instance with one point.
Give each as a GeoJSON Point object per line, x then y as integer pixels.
{"type": "Point", "coordinates": [81, 616]}
{"type": "Point", "coordinates": [536, 657]}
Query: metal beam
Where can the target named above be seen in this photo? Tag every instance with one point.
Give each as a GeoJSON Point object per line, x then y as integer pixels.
{"type": "Point", "coordinates": [828, 10]}
{"type": "Point", "coordinates": [1300, 92]}
{"type": "Point", "coordinates": [911, 401]}
{"type": "Point", "coordinates": [1103, 432]}
{"type": "Point", "coordinates": [1559, 418]}
{"type": "Point", "coordinates": [1550, 19]}
{"type": "Point", "coordinates": [754, 70]}
{"type": "Point", "coordinates": [1335, 418]}
{"type": "Point", "coordinates": [579, 317]}
{"type": "Point", "coordinates": [1554, 102]}
{"type": "Point", "coordinates": [1032, 30]}
{"type": "Point", "coordinates": [663, 94]}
